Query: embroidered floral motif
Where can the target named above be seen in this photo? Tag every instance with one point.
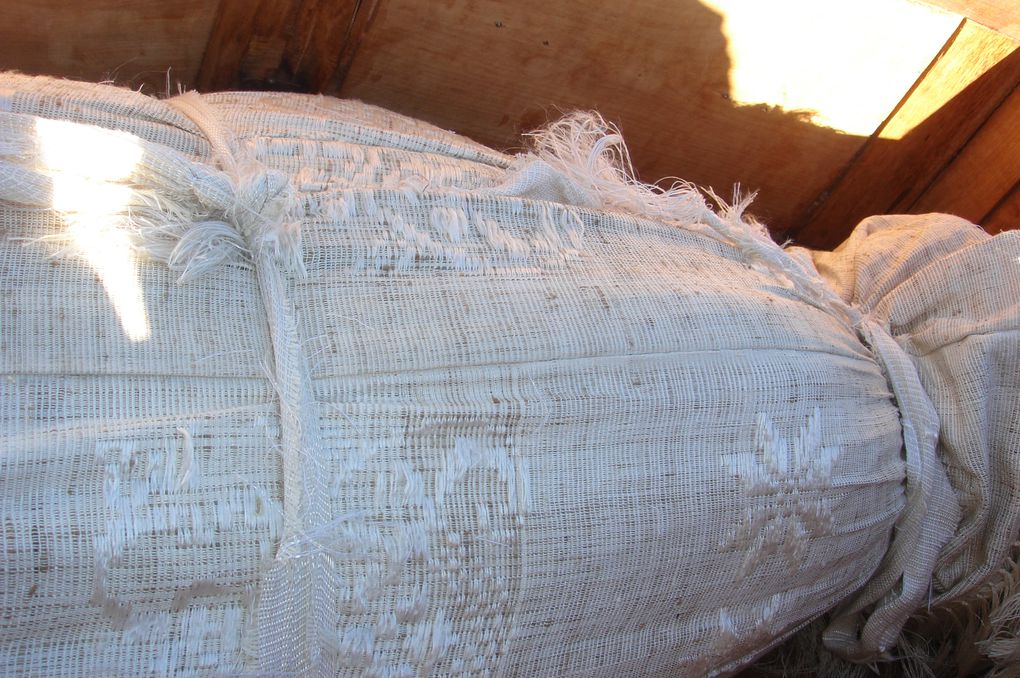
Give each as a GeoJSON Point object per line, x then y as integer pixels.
{"type": "Point", "coordinates": [432, 515]}
{"type": "Point", "coordinates": [738, 629]}
{"type": "Point", "coordinates": [785, 489]}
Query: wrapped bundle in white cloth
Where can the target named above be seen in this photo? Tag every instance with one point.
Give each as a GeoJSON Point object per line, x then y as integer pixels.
{"type": "Point", "coordinates": [296, 386]}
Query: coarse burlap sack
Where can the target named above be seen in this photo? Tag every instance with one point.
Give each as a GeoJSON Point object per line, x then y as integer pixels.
{"type": "Point", "coordinates": [296, 386]}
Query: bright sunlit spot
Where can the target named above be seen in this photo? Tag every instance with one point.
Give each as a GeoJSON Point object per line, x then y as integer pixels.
{"type": "Point", "coordinates": [847, 64]}
{"type": "Point", "coordinates": [84, 163]}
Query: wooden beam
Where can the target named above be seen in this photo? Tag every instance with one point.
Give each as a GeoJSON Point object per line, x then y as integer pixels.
{"type": "Point", "coordinates": [292, 45]}
{"type": "Point", "coordinates": [973, 75]}
{"type": "Point", "coordinates": [1006, 215]}
{"type": "Point", "coordinates": [322, 32]}
{"type": "Point", "coordinates": [364, 16]}
{"type": "Point", "coordinates": [985, 170]}
{"type": "Point", "coordinates": [232, 33]}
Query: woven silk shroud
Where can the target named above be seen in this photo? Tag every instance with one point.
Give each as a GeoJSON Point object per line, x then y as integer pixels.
{"type": "Point", "coordinates": [297, 386]}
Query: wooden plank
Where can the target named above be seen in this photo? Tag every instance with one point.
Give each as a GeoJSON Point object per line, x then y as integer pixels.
{"type": "Point", "coordinates": [277, 44]}
{"type": "Point", "coordinates": [661, 69]}
{"type": "Point", "coordinates": [1000, 15]}
{"type": "Point", "coordinates": [321, 37]}
{"type": "Point", "coordinates": [246, 44]}
{"type": "Point", "coordinates": [985, 170]}
{"type": "Point", "coordinates": [1006, 215]}
{"type": "Point", "coordinates": [964, 86]}
{"type": "Point", "coordinates": [364, 16]}
{"type": "Point", "coordinates": [145, 44]}
{"type": "Point", "coordinates": [228, 41]}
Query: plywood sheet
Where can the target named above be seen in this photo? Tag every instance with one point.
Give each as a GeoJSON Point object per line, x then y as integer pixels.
{"type": "Point", "coordinates": [661, 69]}
{"type": "Point", "coordinates": [967, 83]}
{"type": "Point", "coordinates": [1006, 215]}
{"type": "Point", "coordinates": [141, 43]}
{"type": "Point", "coordinates": [985, 170]}
{"type": "Point", "coordinates": [294, 45]}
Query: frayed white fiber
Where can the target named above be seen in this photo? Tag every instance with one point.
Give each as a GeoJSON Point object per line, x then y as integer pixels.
{"type": "Point", "coordinates": [189, 465]}
{"type": "Point", "coordinates": [582, 160]}
{"type": "Point", "coordinates": [203, 246]}
{"type": "Point", "coordinates": [979, 635]}
{"type": "Point", "coordinates": [162, 229]}
{"type": "Point", "coordinates": [262, 206]}
{"type": "Point", "coordinates": [190, 216]}
{"type": "Point", "coordinates": [592, 156]}
{"type": "Point", "coordinates": [994, 616]}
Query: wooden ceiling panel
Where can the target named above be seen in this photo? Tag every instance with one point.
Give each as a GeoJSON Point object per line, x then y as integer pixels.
{"type": "Point", "coordinates": [660, 69]}
{"type": "Point", "coordinates": [291, 45]}
{"type": "Point", "coordinates": [935, 123]}
{"type": "Point", "coordinates": [139, 44]}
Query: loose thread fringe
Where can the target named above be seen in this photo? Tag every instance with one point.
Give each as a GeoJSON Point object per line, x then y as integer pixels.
{"type": "Point", "coordinates": [589, 156]}
{"type": "Point", "coordinates": [166, 206]}
{"type": "Point", "coordinates": [978, 636]}
{"type": "Point", "coordinates": [592, 155]}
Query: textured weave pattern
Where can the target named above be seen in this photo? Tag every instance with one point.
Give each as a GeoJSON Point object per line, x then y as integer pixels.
{"type": "Point", "coordinates": [950, 296]}
{"type": "Point", "coordinates": [297, 386]}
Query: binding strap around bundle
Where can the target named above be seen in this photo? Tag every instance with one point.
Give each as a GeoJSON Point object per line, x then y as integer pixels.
{"type": "Point", "coordinates": [902, 582]}
{"type": "Point", "coordinates": [295, 615]}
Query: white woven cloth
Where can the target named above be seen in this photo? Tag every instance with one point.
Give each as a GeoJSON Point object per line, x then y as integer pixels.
{"type": "Point", "coordinates": [297, 386]}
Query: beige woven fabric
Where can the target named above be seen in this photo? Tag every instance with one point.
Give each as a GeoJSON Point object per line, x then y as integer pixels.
{"type": "Point", "coordinates": [296, 386]}
{"type": "Point", "coordinates": [950, 296]}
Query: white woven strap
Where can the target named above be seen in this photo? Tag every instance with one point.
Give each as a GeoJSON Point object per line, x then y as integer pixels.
{"type": "Point", "coordinates": [902, 582]}
{"type": "Point", "coordinates": [295, 618]}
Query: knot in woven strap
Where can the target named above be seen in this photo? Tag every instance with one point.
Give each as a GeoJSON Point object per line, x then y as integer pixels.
{"type": "Point", "coordinates": [869, 624]}
{"type": "Point", "coordinates": [264, 200]}
{"type": "Point", "coordinates": [582, 159]}
{"type": "Point", "coordinates": [902, 582]}
{"type": "Point", "coordinates": [257, 202]}
{"type": "Point", "coordinates": [295, 620]}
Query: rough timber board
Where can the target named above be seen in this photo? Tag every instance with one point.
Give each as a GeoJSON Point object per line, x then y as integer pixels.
{"type": "Point", "coordinates": [936, 120]}
{"type": "Point", "coordinates": [233, 33]}
{"type": "Point", "coordinates": [1005, 215]}
{"type": "Point", "coordinates": [131, 43]}
{"type": "Point", "coordinates": [276, 44]}
{"type": "Point", "coordinates": [659, 68]}
{"type": "Point", "coordinates": [985, 170]}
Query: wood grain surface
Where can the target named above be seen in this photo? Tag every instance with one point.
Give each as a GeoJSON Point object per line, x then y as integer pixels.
{"type": "Point", "coordinates": [932, 126]}
{"type": "Point", "coordinates": [293, 45]}
{"type": "Point", "coordinates": [1005, 215]}
{"type": "Point", "coordinates": [139, 44]}
{"type": "Point", "coordinates": [939, 110]}
{"type": "Point", "coordinates": [985, 170]}
{"type": "Point", "coordinates": [660, 69]}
